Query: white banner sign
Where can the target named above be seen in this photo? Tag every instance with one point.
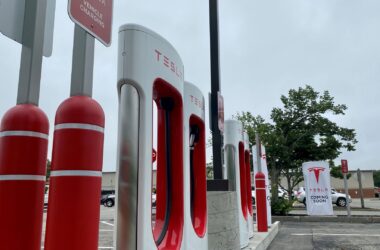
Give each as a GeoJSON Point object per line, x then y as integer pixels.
{"type": "Point", "coordinates": [264, 169]}
{"type": "Point", "coordinates": [318, 189]}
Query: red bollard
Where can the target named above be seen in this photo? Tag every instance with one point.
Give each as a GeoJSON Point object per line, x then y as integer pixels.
{"type": "Point", "coordinates": [261, 203]}
{"type": "Point", "coordinates": [75, 180]}
{"type": "Point", "coordinates": [23, 153]}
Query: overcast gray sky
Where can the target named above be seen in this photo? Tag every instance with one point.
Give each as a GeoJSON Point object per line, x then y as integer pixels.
{"type": "Point", "coordinates": [266, 48]}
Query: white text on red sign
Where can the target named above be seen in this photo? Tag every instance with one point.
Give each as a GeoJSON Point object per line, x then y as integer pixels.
{"type": "Point", "coordinates": [92, 12]}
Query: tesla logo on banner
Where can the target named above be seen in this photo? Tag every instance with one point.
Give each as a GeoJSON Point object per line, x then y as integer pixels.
{"type": "Point", "coordinates": [316, 171]}
{"type": "Point", "coordinates": [317, 185]}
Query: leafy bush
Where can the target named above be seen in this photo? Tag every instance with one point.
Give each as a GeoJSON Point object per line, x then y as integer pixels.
{"type": "Point", "coordinates": [281, 206]}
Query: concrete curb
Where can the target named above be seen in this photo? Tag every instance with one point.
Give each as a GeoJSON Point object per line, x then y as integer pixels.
{"type": "Point", "coordinates": [261, 241]}
{"type": "Point", "coordinates": [341, 219]}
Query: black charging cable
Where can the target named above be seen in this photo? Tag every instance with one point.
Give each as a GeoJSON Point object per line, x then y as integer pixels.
{"type": "Point", "coordinates": [167, 104]}
{"type": "Point", "coordinates": [194, 138]}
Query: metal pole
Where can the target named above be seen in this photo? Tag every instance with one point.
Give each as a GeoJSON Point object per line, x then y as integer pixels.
{"type": "Point", "coordinates": [258, 152]}
{"type": "Point", "coordinates": [32, 50]}
{"type": "Point", "coordinates": [217, 140]}
{"type": "Point", "coordinates": [83, 63]}
{"type": "Point", "coordinates": [346, 191]}
{"type": "Point", "coordinates": [360, 187]}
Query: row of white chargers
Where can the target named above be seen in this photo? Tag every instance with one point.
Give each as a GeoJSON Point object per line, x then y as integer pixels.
{"type": "Point", "coordinates": [235, 136]}
{"type": "Point", "coordinates": [145, 57]}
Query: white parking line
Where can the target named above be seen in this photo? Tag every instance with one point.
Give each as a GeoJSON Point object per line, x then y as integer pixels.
{"type": "Point", "coordinates": [322, 234]}
{"type": "Point", "coordinates": [106, 223]}
{"type": "Point", "coordinates": [98, 247]}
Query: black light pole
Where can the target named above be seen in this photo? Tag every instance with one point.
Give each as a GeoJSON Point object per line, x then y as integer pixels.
{"type": "Point", "coordinates": [217, 141]}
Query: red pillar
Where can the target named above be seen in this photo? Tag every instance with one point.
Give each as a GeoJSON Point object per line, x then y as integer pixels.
{"type": "Point", "coordinates": [261, 203]}
{"type": "Point", "coordinates": [75, 182]}
{"type": "Point", "coordinates": [23, 154]}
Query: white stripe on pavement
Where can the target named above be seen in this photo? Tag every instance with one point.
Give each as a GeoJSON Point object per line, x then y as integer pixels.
{"type": "Point", "coordinates": [79, 126]}
{"type": "Point", "coordinates": [56, 173]}
{"type": "Point", "coordinates": [106, 223]}
{"type": "Point", "coordinates": [24, 133]}
{"type": "Point", "coordinates": [22, 177]}
{"type": "Point", "coordinates": [98, 247]}
{"type": "Point", "coordinates": [324, 234]}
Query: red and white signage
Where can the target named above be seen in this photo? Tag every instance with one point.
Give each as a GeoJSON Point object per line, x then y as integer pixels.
{"type": "Point", "coordinates": [318, 189]}
{"type": "Point", "coordinates": [344, 167]}
{"type": "Point", "coordinates": [220, 112]}
{"type": "Point", "coordinates": [95, 16]}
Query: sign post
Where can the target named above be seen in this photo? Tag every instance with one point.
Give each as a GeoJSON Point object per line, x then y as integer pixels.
{"type": "Point", "coordinates": [217, 134]}
{"type": "Point", "coordinates": [78, 137]}
{"type": "Point", "coordinates": [24, 130]}
{"type": "Point", "coordinates": [344, 172]}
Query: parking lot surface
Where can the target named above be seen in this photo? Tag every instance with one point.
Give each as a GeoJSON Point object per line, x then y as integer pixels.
{"type": "Point", "coordinates": [326, 236]}
{"type": "Point", "coordinates": [106, 227]}
{"type": "Point", "coordinates": [292, 235]}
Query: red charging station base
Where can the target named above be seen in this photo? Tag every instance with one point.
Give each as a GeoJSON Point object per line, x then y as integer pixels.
{"type": "Point", "coordinates": [23, 153]}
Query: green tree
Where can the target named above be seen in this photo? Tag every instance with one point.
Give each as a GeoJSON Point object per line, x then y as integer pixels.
{"type": "Point", "coordinates": [376, 178]}
{"type": "Point", "coordinates": [300, 131]}
{"type": "Point", "coordinates": [209, 171]}
{"type": "Point", "coordinates": [48, 169]}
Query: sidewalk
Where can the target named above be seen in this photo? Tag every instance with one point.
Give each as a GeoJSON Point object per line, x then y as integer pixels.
{"type": "Point", "coordinates": [369, 214]}
{"type": "Point", "coordinates": [261, 241]}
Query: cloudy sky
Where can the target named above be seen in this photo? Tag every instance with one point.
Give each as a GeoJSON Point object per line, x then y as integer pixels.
{"type": "Point", "coordinates": [266, 48]}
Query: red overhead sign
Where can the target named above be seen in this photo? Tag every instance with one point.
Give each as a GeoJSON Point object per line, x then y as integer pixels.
{"type": "Point", "coordinates": [95, 16]}
{"type": "Point", "coordinates": [344, 167]}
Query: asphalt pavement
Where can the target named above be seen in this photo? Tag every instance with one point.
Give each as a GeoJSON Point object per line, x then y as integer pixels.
{"type": "Point", "coordinates": [326, 236]}
{"type": "Point", "coordinates": [311, 235]}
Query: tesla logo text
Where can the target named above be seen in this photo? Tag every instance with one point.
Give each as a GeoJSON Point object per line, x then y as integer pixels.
{"type": "Point", "coordinates": [316, 171]}
{"type": "Point", "coordinates": [198, 102]}
{"type": "Point", "coordinates": [172, 66]}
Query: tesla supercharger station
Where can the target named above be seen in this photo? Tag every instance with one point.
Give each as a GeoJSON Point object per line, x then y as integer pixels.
{"type": "Point", "coordinates": [195, 191]}
{"type": "Point", "coordinates": [247, 160]}
{"type": "Point", "coordinates": [150, 72]}
{"type": "Point", "coordinates": [234, 143]}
